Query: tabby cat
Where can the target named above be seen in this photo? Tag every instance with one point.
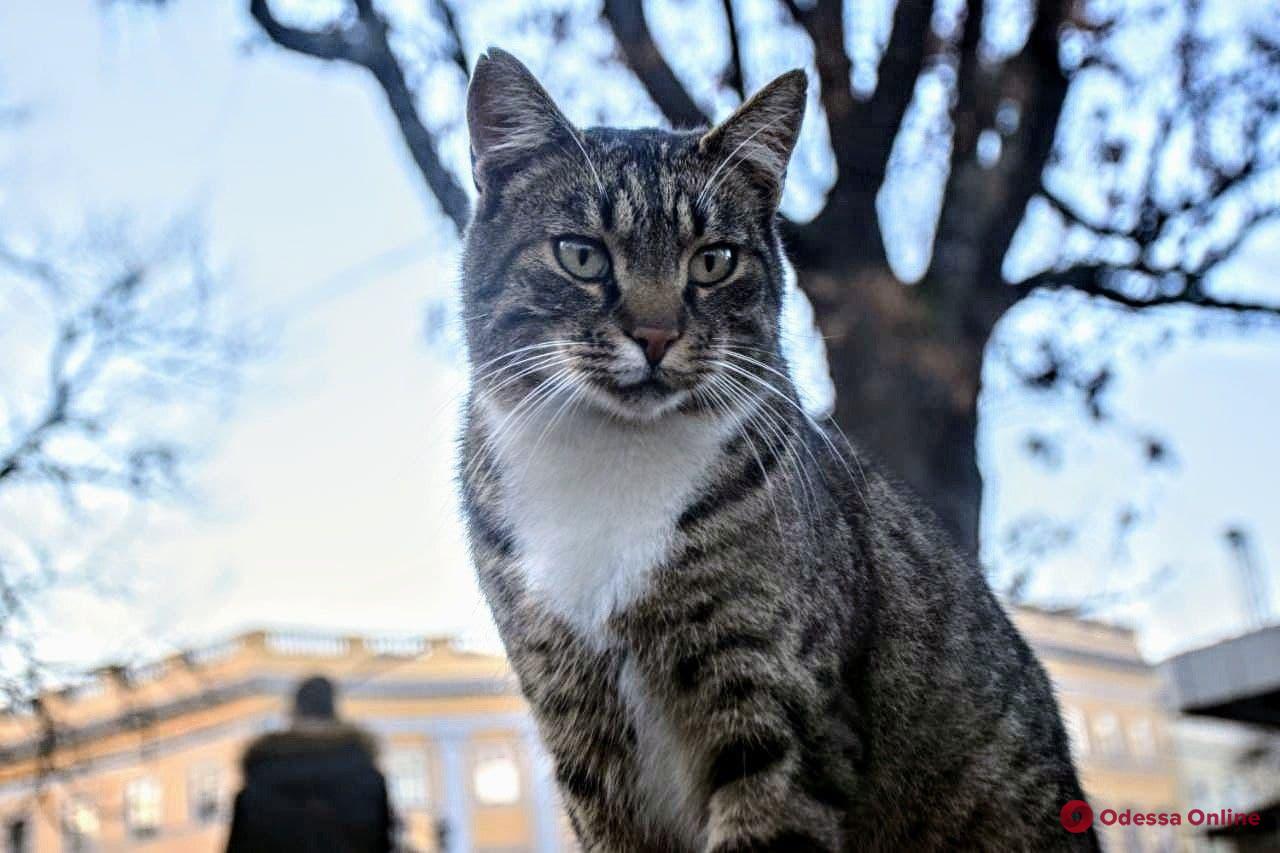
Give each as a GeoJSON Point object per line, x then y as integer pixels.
{"type": "Point", "coordinates": [734, 635]}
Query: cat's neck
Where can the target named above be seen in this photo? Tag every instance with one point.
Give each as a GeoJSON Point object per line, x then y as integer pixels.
{"type": "Point", "coordinates": [593, 501]}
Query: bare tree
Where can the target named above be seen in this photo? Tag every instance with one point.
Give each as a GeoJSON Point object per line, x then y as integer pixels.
{"type": "Point", "coordinates": [114, 355]}
{"type": "Point", "coordinates": [1037, 133]}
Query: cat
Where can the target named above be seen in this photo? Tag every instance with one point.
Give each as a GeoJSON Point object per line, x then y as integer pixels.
{"type": "Point", "coordinates": [734, 634]}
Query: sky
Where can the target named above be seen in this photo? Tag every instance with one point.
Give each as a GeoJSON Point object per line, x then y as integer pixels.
{"type": "Point", "coordinates": [325, 496]}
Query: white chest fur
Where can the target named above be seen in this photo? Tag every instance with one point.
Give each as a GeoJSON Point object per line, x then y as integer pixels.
{"type": "Point", "coordinates": [593, 504]}
{"type": "Point", "coordinates": [665, 778]}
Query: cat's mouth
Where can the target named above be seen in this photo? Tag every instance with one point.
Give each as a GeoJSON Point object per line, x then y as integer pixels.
{"type": "Point", "coordinates": [651, 384]}
{"type": "Point", "coordinates": [642, 398]}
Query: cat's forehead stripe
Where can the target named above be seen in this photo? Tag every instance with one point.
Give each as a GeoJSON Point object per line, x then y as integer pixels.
{"type": "Point", "coordinates": [634, 185]}
{"type": "Point", "coordinates": [624, 219]}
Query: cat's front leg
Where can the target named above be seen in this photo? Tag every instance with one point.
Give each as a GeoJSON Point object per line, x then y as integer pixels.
{"type": "Point", "coordinates": [751, 745]}
{"type": "Point", "coordinates": [571, 689]}
{"type": "Point", "coordinates": [748, 712]}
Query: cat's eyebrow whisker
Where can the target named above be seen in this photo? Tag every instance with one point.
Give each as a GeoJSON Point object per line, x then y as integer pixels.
{"type": "Point", "coordinates": [573, 134]}
{"type": "Point", "coordinates": [706, 188]}
{"type": "Point", "coordinates": [710, 188]}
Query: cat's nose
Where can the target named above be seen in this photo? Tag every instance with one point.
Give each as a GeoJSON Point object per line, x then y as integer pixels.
{"type": "Point", "coordinates": [655, 341]}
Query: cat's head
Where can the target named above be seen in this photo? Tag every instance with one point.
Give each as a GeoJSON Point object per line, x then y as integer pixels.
{"type": "Point", "coordinates": [638, 270]}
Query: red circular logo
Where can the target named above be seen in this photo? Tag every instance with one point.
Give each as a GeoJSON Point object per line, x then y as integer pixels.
{"type": "Point", "coordinates": [1076, 816]}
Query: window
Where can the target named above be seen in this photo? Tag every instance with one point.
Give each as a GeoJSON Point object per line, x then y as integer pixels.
{"type": "Point", "coordinates": [497, 776]}
{"type": "Point", "coordinates": [204, 793]}
{"type": "Point", "coordinates": [406, 770]}
{"type": "Point", "coordinates": [81, 826]}
{"type": "Point", "coordinates": [1073, 720]}
{"type": "Point", "coordinates": [1142, 737]}
{"type": "Point", "coordinates": [1106, 729]}
{"type": "Point", "coordinates": [143, 800]}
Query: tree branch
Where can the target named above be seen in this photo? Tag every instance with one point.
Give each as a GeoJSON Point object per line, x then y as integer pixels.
{"type": "Point", "coordinates": [1068, 212]}
{"type": "Point", "coordinates": [876, 121]}
{"type": "Point", "coordinates": [1145, 234]}
{"type": "Point", "coordinates": [985, 201]}
{"type": "Point", "coordinates": [1092, 279]}
{"type": "Point", "coordinates": [457, 50]}
{"type": "Point", "coordinates": [626, 19]}
{"type": "Point", "coordinates": [157, 327]}
{"type": "Point", "coordinates": [364, 43]}
{"type": "Point", "coordinates": [328, 44]}
{"type": "Point", "coordinates": [733, 75]}
{"type": "Point", "coordinates": [824, 23]}
{"type": "Point", "coordinates": [1036, 81]}
{"type": "Point", "coordinates": [862, 132]}
{"type": "Point", "coordinates": [1217, 255]}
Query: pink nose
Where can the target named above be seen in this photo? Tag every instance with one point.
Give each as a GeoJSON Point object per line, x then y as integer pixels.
{"type": "Point", "coordinates": [654, 341]}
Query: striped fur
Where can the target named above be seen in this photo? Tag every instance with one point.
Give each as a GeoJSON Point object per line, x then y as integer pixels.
{"type": "Point", "coordinates": [733, 634]}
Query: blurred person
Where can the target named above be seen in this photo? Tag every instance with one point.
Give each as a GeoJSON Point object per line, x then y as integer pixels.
{"type": "Point", "coordinates": [313, 787]}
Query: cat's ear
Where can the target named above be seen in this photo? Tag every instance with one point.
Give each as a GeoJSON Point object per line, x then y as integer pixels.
{"type": "Point", "coordinates": [509, 114]}
{"type": "Point", "coordinates": [762, 133]}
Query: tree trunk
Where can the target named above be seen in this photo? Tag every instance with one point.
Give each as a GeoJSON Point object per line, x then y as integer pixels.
{"type": "Point", "coordinates": [906, 389]}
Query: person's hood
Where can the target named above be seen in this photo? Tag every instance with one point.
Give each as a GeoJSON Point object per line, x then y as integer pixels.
{"type": "Point", "coordinates": [309, 737]}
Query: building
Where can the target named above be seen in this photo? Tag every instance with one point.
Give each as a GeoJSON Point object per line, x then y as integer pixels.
{"type": "Point", "coordinates": [1114, 709]}
{"type": "Point", "coordinates": [1226, 764]}
{"type": "Point", "coordinates": [148, 758]}
{"type": "Point", "coordinates": [1229, 744]}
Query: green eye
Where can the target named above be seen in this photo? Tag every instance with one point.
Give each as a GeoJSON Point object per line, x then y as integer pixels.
{"type": "Point", "coordinates": [582, 259]}
{"type": "Point", "coordinates": [712, 265]}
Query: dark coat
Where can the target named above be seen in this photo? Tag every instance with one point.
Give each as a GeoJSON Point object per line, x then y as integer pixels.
{"type": "Point", "coordinates": [312, 789]}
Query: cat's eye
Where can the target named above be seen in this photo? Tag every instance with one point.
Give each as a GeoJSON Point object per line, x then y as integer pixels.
{"type": "Point", "coordinates": [712, 265]}
{"type": "Point", "coordinates": [583, 259]}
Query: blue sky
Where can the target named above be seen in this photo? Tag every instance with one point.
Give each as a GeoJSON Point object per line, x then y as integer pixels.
{"type": "Point", "coordinates": [326, 496]}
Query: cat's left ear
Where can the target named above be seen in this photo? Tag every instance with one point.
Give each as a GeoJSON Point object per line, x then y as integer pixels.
{"type": "Point", "coordinates": [509, 114]}
{"type": "Point", "coordinates": [762, 133]}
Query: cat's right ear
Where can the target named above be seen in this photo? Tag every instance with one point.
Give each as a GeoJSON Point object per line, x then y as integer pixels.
{"type": "Point", "coordinates": [509, 115]}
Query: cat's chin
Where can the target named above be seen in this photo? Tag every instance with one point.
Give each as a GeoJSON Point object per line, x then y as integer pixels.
{"type": "Point", "coordinates": [643, 402]}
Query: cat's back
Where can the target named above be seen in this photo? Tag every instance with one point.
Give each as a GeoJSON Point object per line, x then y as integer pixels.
{"type": "Point", "coordinates": [961, 713]}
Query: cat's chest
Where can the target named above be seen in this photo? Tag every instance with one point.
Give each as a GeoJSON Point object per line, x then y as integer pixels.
{"type": "Point", "coordinates": [593, 505]}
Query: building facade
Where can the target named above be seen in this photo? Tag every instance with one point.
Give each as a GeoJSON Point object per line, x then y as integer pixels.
{"type": "Point", "coordinates": [1229, 735]}
{"type": "Point", "coordinates": [1114, 710]}
{"type": "Point", "coordinates": [148, 758]}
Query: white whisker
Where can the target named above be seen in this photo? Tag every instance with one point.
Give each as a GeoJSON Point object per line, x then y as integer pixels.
{"type": "Point", "coordinates": [708, 186]}
{"type": "Point", "coordinates": [841, 457]}
{"type": "Point", "coordinates": [573, 134]}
